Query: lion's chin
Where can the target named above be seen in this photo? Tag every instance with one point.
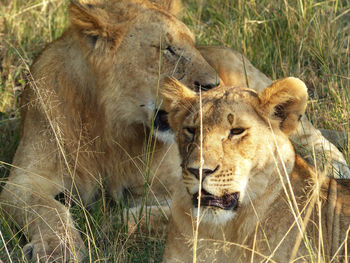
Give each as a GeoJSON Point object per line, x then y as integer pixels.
{"type": "Point", "coordinates": [165, 136]}
{"type": "Point", "coordinates": [213, 215]}
{"type": "Point", "coordinates": [162, 130]}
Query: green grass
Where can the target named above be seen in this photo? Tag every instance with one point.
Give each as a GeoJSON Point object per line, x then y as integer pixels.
{"type": "Point", "coordinates": [307, 39]}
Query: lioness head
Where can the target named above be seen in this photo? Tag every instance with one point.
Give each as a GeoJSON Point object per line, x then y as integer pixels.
{"type": "Point", "coordinates": [241, 133]}
{"type": "Point", "coordinates": [130, 46]}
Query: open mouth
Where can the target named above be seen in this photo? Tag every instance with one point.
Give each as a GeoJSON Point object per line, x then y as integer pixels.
{"type": "Point", "coordinates": [161, 121]}
{"type": "Point", "coordinates": [226, 202]}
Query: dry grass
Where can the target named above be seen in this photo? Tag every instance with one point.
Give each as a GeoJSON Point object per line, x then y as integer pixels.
{"type": "Point", "coordinates": [305, 38]}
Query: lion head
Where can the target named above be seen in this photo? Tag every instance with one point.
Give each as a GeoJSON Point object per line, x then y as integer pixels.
{"type": "Point", "coordinates": [130, 46]}
{"type": "Point", "coordinates": [228, 141]}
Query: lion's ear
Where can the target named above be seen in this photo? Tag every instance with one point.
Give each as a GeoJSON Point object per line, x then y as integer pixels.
{"type": "Point", "coordinates": [285, 102]}
{"type": "Point", "coordinates": [92, 21]}
{"type": "Point", "coordinates": [172, 6]}
{"type": "Point", "coordinates": [176, 96]}
{"type": "Point", "coordinates": [87, 17]}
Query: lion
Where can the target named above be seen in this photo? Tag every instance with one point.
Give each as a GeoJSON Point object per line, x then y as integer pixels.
{"type": "Point", "coordinates": [254, 198]}
{"type": "Point", "coordinates": [92, 119]}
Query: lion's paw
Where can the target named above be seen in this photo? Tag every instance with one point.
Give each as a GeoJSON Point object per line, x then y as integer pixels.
{"type": "Point", "coordinates": [55, 249]}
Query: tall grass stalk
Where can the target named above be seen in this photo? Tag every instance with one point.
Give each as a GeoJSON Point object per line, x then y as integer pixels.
{"type": "Point", "coordinates": [195, 241]}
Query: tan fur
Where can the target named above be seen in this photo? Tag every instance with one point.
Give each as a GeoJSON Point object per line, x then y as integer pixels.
{"type": "Point", "coordinates": [256, 163]}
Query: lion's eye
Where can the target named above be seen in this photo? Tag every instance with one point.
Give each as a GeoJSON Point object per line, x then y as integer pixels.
{"type": "Point", "coordinates": [235, 131]}
{"type": "Point", "coordinates": [171, 50]}
{"type": "Point", "coordinates": [189, 132]}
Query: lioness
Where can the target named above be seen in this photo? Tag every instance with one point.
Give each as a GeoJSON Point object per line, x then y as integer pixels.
{"type": "Point", "coordinates": [90, 115]}
{"type": "Point", "coordinates": [254, 197]}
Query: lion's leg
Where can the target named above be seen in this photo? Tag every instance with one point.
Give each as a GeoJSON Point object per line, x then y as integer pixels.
{"type": "Point", "coordinates": [236, 70]}
{"type": "Point", "coordinates": [180, 229]}
{"type": "Point", "coordinates": [28, 198]}
{"type": "Point", "coordinates": [176, 249]}
{"type": "Point", "coordinates": [148, 202]}
{"type": "Point", "coordinates": [30, 202]}
{"type": "Point", "coordinates": [148, 219]}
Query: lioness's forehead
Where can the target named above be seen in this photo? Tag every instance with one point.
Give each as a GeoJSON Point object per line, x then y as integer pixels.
{"type": "Point", "coordinates": [231, 94]}
{"type": "Point", "coordinates": [223, 98]}
{"type": "Point", "coordinates": [216, 104]}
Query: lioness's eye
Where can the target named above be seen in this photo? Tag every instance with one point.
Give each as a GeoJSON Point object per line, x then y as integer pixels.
{"type": "Point", "coordinates": [235, 131]}
{"type": "Point", "coordinates": [189, 132]}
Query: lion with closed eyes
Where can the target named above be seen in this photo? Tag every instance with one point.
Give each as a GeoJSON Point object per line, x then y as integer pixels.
{"type": "Point", "coordinates": [253, 196]}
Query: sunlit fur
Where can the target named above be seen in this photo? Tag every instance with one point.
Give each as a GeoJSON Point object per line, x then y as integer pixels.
{"type": "Point", "coordinates": [262, 160]}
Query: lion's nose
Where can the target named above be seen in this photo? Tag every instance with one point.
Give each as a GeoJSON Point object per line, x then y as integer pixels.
{"type": "Point", "coordinates": [205, 86]}
{"type": "Point", "coordinates": [205, 172]}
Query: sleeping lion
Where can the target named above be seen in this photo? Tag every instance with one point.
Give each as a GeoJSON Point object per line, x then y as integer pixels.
{"type": "Point", "coordinates": [255, 199]}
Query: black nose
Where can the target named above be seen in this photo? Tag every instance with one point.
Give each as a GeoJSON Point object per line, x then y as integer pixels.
{"type": "Point", "coordinates": [205, 172]}
{"type": "Point", "coordinates": [205, 87]}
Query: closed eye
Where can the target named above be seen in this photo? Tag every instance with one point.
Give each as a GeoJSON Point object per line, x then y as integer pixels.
{"type": "Point", "coordinates": [171, 50]}
{"type": "Point", "coordinates": [189, 133]}
{"type": "Point", "coordinates": [235, 132]}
